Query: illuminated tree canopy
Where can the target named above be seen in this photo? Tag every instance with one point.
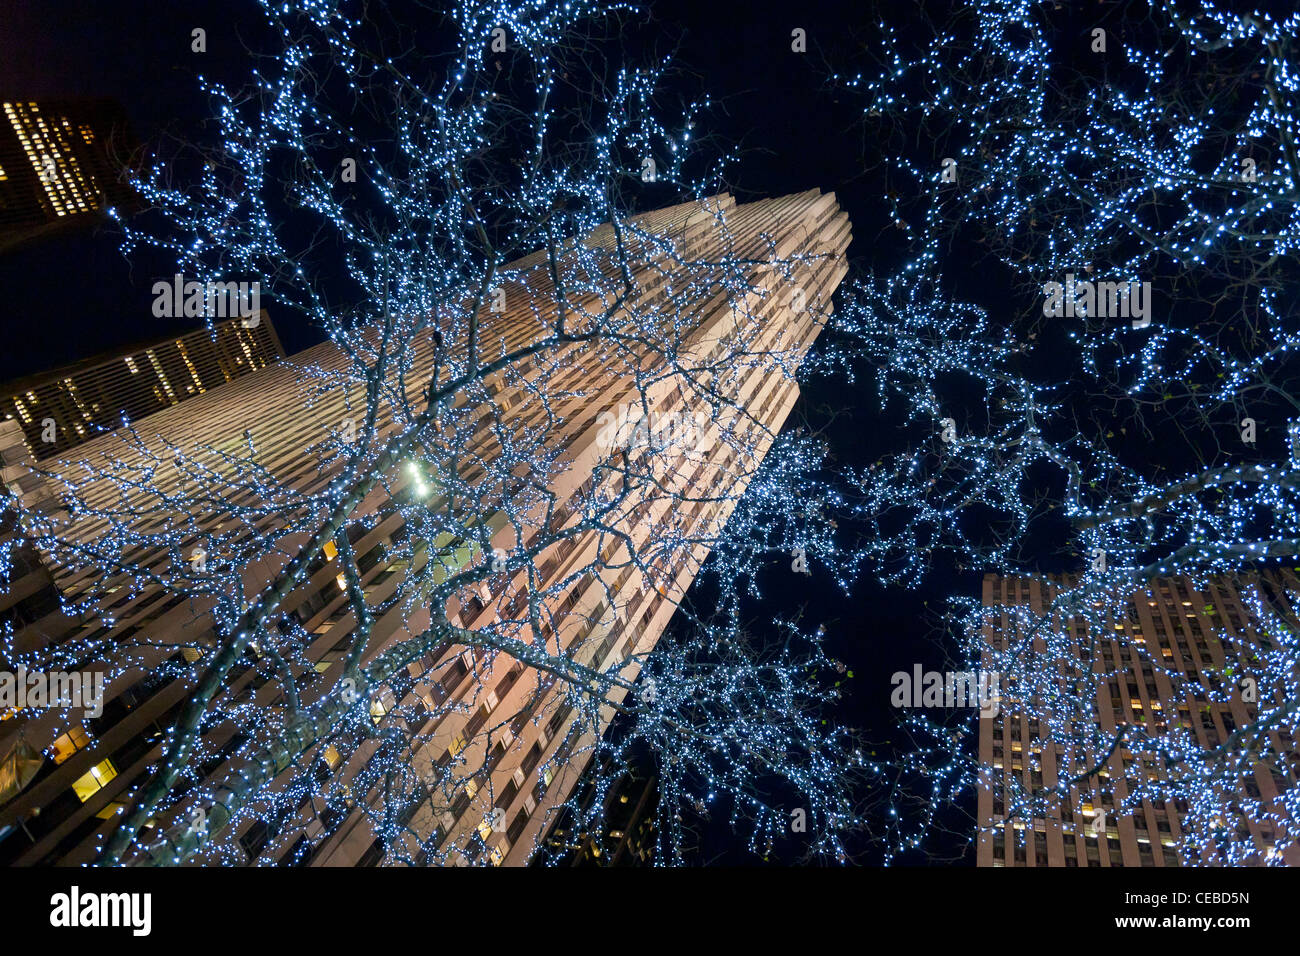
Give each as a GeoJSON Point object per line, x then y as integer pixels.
{"type": "Point", "coordinates": [1125, 413]}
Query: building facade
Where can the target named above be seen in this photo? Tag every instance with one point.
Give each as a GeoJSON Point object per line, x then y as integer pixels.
{"type": "Point", "coordinates": [511, 729]}
{"type": "Point", "coordinates": [61, 409]}
{"type": "Point", "coordinates": [627, 834]}
{"type": "Point", "coordinates": [59, 164]}
{"type": "Point", "coordinates": [1199, 635]}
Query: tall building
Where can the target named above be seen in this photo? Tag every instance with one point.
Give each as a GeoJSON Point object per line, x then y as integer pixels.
{"type": "Point", "coordinates": [627, 833]}
{"type": "Point", "coordinates": [510, 731]}
{"type": "Point", "coordinates": [59, 164]}
{"type": "Point", "coordinates": [1198, 635]}
{"type": "Point", "coordinates": [63, 408]}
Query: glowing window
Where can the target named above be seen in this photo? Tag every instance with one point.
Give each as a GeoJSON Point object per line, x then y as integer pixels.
{"type": "Point", "coordinates": [65, 746]}
{"type": "Point", "coordinates": [111, 809]}
{"type": "Point", "coordinates": [94, 779]}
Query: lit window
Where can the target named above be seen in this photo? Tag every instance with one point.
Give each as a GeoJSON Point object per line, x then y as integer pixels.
{"type": "Point", "coordinates": [111, 809]}
{"type": "Point", "coordinates": [331, 550]}
{"type": "Point", "coordinates": [75, 739]}
{"type": "Point", "coordinates": [94, 779]}
{"type": "Point", "coordinates": [162, 376]}
{"type": "Point", "coordinates": [332, 756]}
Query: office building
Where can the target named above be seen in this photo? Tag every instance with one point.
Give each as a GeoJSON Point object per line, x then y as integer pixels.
{"type": "Point", "coordinates": [626, 832]}
{"type": "Point", "coordinates": [508, 734]}
{"type": "Point", "coordinates": [1198, 637]}
{"type": "Point", "coordinates": [63, 408]}
{"type": "Point", "coordinates": [60, 164]}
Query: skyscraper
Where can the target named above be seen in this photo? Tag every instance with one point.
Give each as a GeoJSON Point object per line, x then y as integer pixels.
{"type": "Point", "coordinates": [59, 164]}
{"type": "Point", "coordinates": [512, 727]}
{"type": "Point", "coordinates": [1205, 637]}
{"type": "Point", "coordinates": [628, 833]}
{"type": "Point", "coordinates": [60, 409]}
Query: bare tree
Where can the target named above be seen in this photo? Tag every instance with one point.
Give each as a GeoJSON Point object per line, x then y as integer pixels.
{"type": "Point", "coordinates": [1122, 413]}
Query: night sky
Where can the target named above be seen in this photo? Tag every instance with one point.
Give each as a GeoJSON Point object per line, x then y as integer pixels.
{"type": "Point", "coordinates": [74, 296]}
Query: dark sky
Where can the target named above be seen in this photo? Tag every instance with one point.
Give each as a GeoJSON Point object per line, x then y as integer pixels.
{"type": "Point", "coordinates": [89, 299]}
{"type": "Point", "coordinates": [77, 293]}
{"type": "Point", "coordinates": [76, 296]}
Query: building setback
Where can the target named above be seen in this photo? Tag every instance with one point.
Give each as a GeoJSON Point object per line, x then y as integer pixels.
{"type": "Point", "coordinates": [61, 409]}
{"type": "Point", "coordinates": [523, 771]}
{"type": "Point", "coordinates": [1177, 625]}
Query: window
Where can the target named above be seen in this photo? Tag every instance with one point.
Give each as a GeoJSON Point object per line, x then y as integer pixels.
{"type": "Point", "coordinates": [332, 757]}
{"type": "Point", "coordinates": [111, 809]}
{"type": "Point", "coordinates": [64, 747]}
{"type": "Point", "coordinates": [507, 794]}
{"type": "Point", "coordinates": [477, 721]}
{"type": "Point", "coordinates": [258, 835]}
{"type": "Point", "coordinates": [374, 855]}
{"type": "Point", "coordinates": [95, 778]}
{"type": "Point", "coordinates": [533, 756]}
{"type": "Point", "coordinates": [301, 853]}
{"type": "Point", "coordinates": [517, 826]}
